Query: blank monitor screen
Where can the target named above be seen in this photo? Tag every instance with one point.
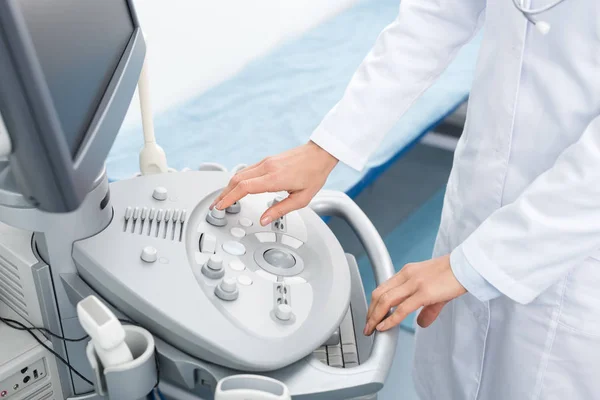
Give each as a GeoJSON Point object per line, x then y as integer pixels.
{"type": "Point", "coordinates": [77, 66]}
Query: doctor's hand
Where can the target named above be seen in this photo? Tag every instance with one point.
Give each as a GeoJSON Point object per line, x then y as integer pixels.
{"type": "Point", "coordinates": [429, 284]}
{"type": "Point", "coordinates": [301, 172]}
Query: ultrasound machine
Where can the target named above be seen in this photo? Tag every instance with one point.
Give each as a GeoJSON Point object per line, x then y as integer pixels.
{"type": "Point", "coordinates": [136, 289]}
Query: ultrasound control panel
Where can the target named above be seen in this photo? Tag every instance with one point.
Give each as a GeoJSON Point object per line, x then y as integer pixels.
{"type": "Point", "coordinates": [215, 283]}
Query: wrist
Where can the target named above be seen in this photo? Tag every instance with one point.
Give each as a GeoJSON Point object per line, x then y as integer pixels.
{"type": "Point", "coordinates": [329, 161]}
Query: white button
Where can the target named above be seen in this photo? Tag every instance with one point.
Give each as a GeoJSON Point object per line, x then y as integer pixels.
{"type": "Point", "coordinates": [228, 285]}
{"type": "Point", "coordinates": [215, 262]}
{"type": "Point", "coordinates": [295, 280]}
{"type": "Point", "coordinates": [265, 237]}
{"type": "Point", "coordinates": [237, 265]}
{"type": "Point", "coordinates": [208, 243]}
{"type": "Point", "coordinates": [291, 241]}
{"type": "Point", "coordinates": [201, 258]}
{"type": "Point", "coordinates": [244, 280]}
{"type": "Point", "coordinates": [234, 248]}
{"type": "Point", "coordinates": [245, 222]}
{"type": "Point", "coordinates": [219, 214]}
{"type": "Point", "coordinates": [160, 193]}
{"type": "Point", "coordinates": [238, 232]}
{"type": "Point", "coordinates": [283, 312]}
{"type": "Point", "coordinates": [266, 275]}
{"type": "Point", "coordinates": [149, 254]}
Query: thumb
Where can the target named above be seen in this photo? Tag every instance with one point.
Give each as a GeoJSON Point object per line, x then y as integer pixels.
{"type": "Point", "coordinates": [429, 313]}
{"type": "Point", "coordinates": [293, 202]}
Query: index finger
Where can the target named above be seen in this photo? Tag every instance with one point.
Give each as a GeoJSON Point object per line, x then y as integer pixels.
{"type": "Point", "coordinates": [247, 173]}
{"type": "Point", "coordinates": [260, 184]}
{"type": "Point", "coordinates": [398, 279]}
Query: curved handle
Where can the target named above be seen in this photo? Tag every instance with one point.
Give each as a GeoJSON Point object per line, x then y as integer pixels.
{"type": "Point", "coordinates": [333, 203]}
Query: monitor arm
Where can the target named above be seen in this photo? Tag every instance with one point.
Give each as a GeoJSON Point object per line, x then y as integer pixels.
{"type": "Point", "coordinates": [152, 157]}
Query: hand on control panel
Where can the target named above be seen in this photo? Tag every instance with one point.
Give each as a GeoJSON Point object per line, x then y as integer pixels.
{"type": "Point", "coordinates": [301, 172]}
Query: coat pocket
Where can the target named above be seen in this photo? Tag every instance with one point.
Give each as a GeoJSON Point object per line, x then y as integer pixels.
{"type": "Point", "coordinates": [581, 300]}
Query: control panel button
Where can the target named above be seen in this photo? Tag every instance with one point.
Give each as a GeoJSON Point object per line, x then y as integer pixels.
{"type": "Point", "coordinates": [238, 232]}
{"type": "Point", "coordinates": [294, 280]}
{"type": "Point", "coordinates": [160, 193]}
{"type": "Point", "coordinates": [244, 280]}
{"type": "Point", "coordinates": [213, 269]}
{"type": "Point", "coordinates": [228, 285]}
{"type": "Point", "coordinates": [234, 208]}
{"type": "Point", "coordinates": [215, 262]}
{"type": "Point", "coordinates": [215, 212]}
{"type": "Point", "coordinates": [279, 258]}
{"type": "Point", "coordinates": [149, 254]}
{"type": "Point", "coordinates": [234, 248]}
{"type": "Point", "coordinates": [237, 265]}
{"type": "Point", "coordinates": [227, 290]}
{"type": "Point", "coordinates": [266, 237]}
{"type": "Point", "coordinates": [283, 312]}
{"type": "Point", "coordinates": [216, 217]}
{"type": "Point", "coordinates": [266, 275]}
{"type": "Point", "coordinates": [208, 243]}
{"type": "Point", "coordinates": [291, 241]}
{"type": "Point", "coordinates": [245, 222]}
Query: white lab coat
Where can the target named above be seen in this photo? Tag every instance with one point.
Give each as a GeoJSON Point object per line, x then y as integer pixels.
{"type": "Point", "coordinates": [522, 207]}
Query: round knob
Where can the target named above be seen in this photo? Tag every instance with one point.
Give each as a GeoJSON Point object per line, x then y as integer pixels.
{"type": "Point", "coordinates": [234, 208]}
{"type": "Point", "coordinates": [215, 262]}
{"type": "Point", "coordinates": [216, 217]}
{"type": "Point", "coordinates": [160, 193]}
{"type": "Point", "coordinates": [228, 285]}
{"type": "Point", "coordinates": [283, 312]}
{"type": "Point", "coordinates": [279, 258]}
{"type": "Point", "coordinates": [216, 213]}
{"type": "Point", "coordinates": [227, 290]}
{"type": "Point", "coordinates": [149, 254]}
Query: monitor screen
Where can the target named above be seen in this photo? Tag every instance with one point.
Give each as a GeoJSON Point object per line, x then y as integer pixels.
{"type": "Point", "coordinates": [78, 44]}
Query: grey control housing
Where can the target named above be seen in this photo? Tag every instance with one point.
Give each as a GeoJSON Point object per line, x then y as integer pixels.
{"type": "Point", "coordinates": [179, 303]}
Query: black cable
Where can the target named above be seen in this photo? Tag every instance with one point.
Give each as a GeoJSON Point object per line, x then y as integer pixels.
{"type": "Point", "coordinates": [21, 327]}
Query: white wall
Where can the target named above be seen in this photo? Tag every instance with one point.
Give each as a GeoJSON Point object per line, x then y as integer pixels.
{"type": "Point", "coordinates": [195, 44]}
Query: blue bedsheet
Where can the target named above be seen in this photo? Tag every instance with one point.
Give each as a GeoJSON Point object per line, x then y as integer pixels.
{"type": "Point", "coordinates": [276, 102]}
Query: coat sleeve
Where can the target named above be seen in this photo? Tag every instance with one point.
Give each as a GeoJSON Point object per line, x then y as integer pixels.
{"type": "Point", "coordinates": [406, 59]}
{"type": "Point", "coordinates": [526, 246]}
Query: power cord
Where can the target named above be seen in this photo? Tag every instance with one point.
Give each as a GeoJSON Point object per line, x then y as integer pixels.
{"type": "Point", "coordinates": [11, 323]}
{"type": "Point", "coordinates": [21, 327]}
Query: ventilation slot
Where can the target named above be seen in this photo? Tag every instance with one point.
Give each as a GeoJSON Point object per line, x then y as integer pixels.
{"type": "Point", "coordinates": [11, 290]}
{"type": "Point", "coordinates": [160, 223]}
{"type": "Point", "coordinates": [43, 393]}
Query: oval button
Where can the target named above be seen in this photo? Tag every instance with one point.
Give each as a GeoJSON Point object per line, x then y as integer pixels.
{"type": "Point", "coordinates": [234, 248]}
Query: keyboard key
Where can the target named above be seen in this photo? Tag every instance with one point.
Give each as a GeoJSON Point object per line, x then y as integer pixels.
{"type": "Point", "coordinates": [347, 329]}
{"type": "Point", "coordinates": [350, 358]}
{"type": "Point", "coordinates": [335, 361]}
